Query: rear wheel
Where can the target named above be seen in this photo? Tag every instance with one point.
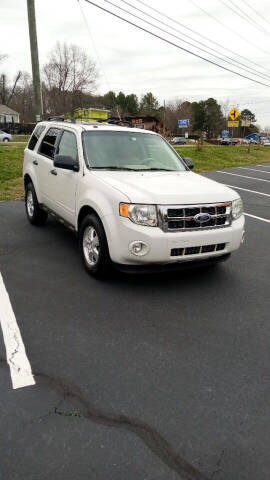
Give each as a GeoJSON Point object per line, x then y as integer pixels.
{"type": "Point", "coordinates": [35, 214]}
{"type": "Point", "coordinates": [6, 139]}
{"type": "Point", "coordinates": [94, 247]}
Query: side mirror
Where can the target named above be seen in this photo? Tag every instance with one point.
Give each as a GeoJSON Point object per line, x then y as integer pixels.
{"type": "Point", "coordinates": [65, 162]}
{"type": "Point", "coordinates": [189, 162]}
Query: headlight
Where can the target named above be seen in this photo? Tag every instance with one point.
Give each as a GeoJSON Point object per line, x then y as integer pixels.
{"type": "Point", "coordinates": [237, 208]}
{"type": "Point", "coordinates": [140, 214]}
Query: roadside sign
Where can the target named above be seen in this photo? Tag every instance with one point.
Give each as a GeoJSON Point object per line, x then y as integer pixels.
{"type": "Point", "coordinates": [233, 124]}
{"type": "Point", "coordinates": [234, 114]}
{"type": "Point", "coordinates": [186, 134]}
{"type": "Point", "coordinates": [245, 123]}
{"type": "Point", "coordinates": [183, 123]}
{"type": "Point", "coordinates": [224, 133]}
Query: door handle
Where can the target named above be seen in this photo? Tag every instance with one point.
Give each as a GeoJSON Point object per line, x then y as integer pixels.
{"type": "Point", "coordinates": [35, 162]}
{"type": "Point", "coordinates": [53, 172]}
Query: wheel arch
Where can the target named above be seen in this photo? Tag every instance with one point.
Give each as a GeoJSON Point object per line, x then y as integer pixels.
{"type": "Point", "coordinates": [86, 210]}
{"type": "Point", "coordinates": [27, 179]}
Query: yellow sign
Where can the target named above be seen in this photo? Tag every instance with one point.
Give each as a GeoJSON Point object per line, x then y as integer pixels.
{"type": "Point", "coordinates": [233, 124]}
{"type": "Point", "coordinates": [89, 115]}
{"type": "Point", "coordinates": [234, 114]}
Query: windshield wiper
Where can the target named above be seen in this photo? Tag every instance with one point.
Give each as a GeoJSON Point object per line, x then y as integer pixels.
{"type": "Point", "coordinates": [113, 168]}
{"type": "Point", "coordinates": [159, 170]}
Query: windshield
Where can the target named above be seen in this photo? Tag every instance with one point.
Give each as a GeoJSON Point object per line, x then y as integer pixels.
{"type": "Point", "coordinates": [129, 151]}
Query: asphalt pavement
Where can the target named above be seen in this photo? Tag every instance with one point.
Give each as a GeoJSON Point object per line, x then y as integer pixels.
{"type": "Point", "coordinates": [147, 377]}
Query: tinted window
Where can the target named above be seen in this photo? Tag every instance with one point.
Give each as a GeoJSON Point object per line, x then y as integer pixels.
{"type": "Point", "coordinates": [48, 143]}
{"type": "Point", "coordinates": [68, 146]}
{"type": "Point", "coordinates": [35, 136]}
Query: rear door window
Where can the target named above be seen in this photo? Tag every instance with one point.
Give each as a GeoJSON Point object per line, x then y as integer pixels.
{"type": "Point", "coordinates": [49, 143]}
{"type": "Point", "coordinates": [35, 136]}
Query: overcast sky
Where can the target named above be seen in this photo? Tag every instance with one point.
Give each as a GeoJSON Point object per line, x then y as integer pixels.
{"type": "Point", "coordinates": [133, 61]}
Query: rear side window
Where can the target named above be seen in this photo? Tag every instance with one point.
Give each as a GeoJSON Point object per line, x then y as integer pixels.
{"type": "Point", "coordinates": [48, 143]}
{"type": "Point", "coordinates": [35, 136]}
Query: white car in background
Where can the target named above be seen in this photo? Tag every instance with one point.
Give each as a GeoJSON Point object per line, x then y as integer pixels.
{"type": "Point", "coordinates": [5, 137]}
{"type": "Point", "coordinates": [266, 142]}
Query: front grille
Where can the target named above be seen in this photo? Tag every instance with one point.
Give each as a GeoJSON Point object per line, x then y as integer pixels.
{"type": "Point", "coordinates": [183, 217]}
{"type": "Point", "coordinates": [178, 252]}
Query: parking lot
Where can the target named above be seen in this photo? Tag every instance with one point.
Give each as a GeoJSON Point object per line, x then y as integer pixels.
{"type": "Point", "coordinates": [137, 377]}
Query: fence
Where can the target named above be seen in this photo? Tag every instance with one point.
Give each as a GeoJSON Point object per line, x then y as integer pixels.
{"type": "Point", "coordinates": [18, 128]}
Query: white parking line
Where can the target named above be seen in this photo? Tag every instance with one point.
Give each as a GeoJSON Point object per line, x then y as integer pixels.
{"type": "Point", "coordinates": [244, 176]}
{"type": "Point", "coordinates": [254, 169]}
{"type": "Point", "coordinates": [257, 218]}
{"type": "Point", "coordinates": [20, 368]}
{"type": "Point", "coordinates": [263, 165]}
{"type": "Point", "coordinates": [247, 190]}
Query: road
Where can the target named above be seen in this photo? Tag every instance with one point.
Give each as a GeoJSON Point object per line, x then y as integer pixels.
{"type": "Point", "coordinates": [159, 377]}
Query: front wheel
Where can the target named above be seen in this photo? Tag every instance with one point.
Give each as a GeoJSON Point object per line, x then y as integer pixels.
{"type": "Point", "coordinates": [94, 247]}
{"type": "Point", "coordinates": [35, 214]}
{"type": "Point", "coordinates": [5, 139]}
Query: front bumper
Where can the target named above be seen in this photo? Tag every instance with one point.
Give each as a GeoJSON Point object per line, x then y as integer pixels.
{"type": "Point", "coordinates": [121, 232]}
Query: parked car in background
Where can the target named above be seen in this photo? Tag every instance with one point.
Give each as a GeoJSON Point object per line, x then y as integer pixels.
{"type": "Point", "coordinates": [5, 137]}
{"type": "Point", "coordinates": [266, 142]}
{"type": "Point", "coordinates": [227, 141]}
{"type": "Point", "coordinates": [178, 141]}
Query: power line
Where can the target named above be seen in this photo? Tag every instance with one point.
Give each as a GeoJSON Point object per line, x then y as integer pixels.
{"type": "Point", "coordinates": [244, 16]}
{"type": "Point", "coordinates": [94, 46]}
{"type": "Point", "coordinates": [198, 34]}
{"type": "Point", "coordinates": [235, 62]}
{"type": "Point", "coordinates": [175, 45]}
{"type": "Point", "coordinates": [228, 28]}
{"type": "Point", "coordinates": [255, 11]}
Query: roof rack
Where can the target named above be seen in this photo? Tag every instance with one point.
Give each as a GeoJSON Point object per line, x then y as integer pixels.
{"type": "Point", "coordinates": [109, 122]}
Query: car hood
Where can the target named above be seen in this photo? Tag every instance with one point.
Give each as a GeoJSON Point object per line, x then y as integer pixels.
{"type": "Point", "coordinates": [167, 187]}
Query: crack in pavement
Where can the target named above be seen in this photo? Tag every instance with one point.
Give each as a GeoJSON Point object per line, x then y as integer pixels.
{"type": "Point", "coordinates": [15, 351]}
{"type": "Point", "coordinates": [218, 464]}
{"type": "Point", "coordinates": [149, 435]}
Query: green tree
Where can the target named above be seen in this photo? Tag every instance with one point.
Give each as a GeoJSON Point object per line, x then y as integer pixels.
{"type": "Point", "coordinates": [207, 117]}
{"type": "Point", "coordinates": [199, 117]}
{"type": "Point", "coordinates": [132, 104]}
{"type": "Point", "coordinates": [110, 101]}
{"type": "Point", "coordinates": [248, 115]}
{"type": "Point", "coordinates": [121, 102]}
{"type": "Point", "coordinates": [214, 118]}
{"type": "Point", "coordinates": [149, 104]}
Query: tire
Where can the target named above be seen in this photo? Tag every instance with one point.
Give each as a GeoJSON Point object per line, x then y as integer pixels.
{"type": "Point", "coordinates": [35, 214]}
{"type": "Point", "coordinates": [6, 139]}
{"type": "Point", "coordinates": [93, 247]}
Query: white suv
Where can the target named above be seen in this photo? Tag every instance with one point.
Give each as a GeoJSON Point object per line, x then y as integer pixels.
{"type": "Point", "coordinates": [132, 200]}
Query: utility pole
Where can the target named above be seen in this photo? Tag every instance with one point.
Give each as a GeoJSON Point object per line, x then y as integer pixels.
{"type": "Point", "coordinates": [34, 58]}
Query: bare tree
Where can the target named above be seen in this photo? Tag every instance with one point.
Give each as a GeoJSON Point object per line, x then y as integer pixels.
{"type": "Point", "coordinates": [7, 91]}
{"type": "Point", "coordinates": [22, 100]}
{"type": "Point", "coordinates": [69, 73]}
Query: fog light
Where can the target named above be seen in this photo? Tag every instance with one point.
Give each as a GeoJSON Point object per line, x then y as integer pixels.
{"type": "Point", "coordinates": [139, 248]}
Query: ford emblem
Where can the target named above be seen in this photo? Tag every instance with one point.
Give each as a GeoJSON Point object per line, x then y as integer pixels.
{"type": "Point", "coordinates": [202, 217]}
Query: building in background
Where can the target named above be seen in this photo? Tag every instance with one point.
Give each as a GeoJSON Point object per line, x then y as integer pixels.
{"type": "Point", "coordinates": [145, 122]}
{"type": "Point", "coordinates": [7, 115]}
